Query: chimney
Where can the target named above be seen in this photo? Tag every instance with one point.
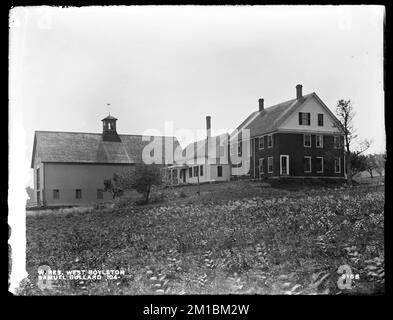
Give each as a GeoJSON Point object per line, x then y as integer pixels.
{"type": "Point", "coordinates": [299, 94]}
{"type": "Point", "coordinates": [208, 126]}
{"type": "Point", "coordinates": [260, 104]}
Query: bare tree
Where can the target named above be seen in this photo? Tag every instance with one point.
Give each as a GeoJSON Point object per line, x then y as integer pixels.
{"type": "Point", "coordinates": [113, 186]}
{"type": "Point", "coordinates": [141, 177]}
{"type": "Point", "coordinates": [359, 163]}
{"type": "Point", "coordinates": [345, 114]}
{"type": "Point", "coordinates": [380, 160]}
{"type": "Point", "coordinates": [370, 164]}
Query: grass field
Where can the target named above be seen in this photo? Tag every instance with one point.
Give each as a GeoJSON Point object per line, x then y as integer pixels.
{"type": "Point", "coordinates": [238, 237]}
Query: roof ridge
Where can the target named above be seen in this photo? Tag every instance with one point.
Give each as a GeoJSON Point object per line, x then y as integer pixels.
{"type": "Point", "coordinates": [94, 133]}
{"type": "Point", "coordinates": [287, 101]}
{"type": "Point", "coordinates": [204, 139]}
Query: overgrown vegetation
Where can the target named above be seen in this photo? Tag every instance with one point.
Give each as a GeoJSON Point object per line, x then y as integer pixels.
{"type": "Point", "coordinates": [266, 243]}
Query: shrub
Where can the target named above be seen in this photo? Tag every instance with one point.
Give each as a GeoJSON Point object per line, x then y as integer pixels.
{"type": "Point", "coordinates": [182, 194]}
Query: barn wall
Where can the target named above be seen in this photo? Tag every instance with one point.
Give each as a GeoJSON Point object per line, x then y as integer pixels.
{"type": "Point", "coordinates": [69, 177]}
{"type": "Point", "coordinates": [40, 165]}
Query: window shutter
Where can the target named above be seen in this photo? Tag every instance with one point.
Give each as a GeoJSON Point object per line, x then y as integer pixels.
{"type": "Point", "coordinates": [300, 118]}
{"type": "Point", "coordinates": [308, 121]}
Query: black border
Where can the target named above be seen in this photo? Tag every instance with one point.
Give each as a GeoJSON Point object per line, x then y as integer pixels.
{"type": "Point", "coordinates": [261, 306]}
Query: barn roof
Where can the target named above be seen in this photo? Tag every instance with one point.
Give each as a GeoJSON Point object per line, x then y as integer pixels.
{"type": "Point", "coordinates": [78, 147]}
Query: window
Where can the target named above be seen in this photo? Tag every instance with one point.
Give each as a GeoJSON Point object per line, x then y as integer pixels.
{"type": "Point", "coordinates": [239, 148]}
{"type": "Point", "coordinates": [337, 142]}
{"type": "Point", "coordinates": [307, 140]}
{"type": "Point", "coordinates": [219, 171]}
{"type": "Point", "coordinates": [307, 164]}
{"type": "Point", "coordinates": [100, 194]}
{"type": "Point", "coordinates": [56, 194]}
{"type": "Point", "coordinates": [319, 164]}
{"type": "Point", "coordinates": [269, 141]}
{"type": "Point", "coordinates": [196, 171]}
{"type": "Point", "coordinates": [190, 172]}
{"type": "Point", "coordinates": [261, 142]}
{"type": "Point", "coordinates": [38, 178]}
{"type": "Point", "coordinates": [337, 165]}
{"type": "Point", "coordinates": [201, 170]}
{"type": "Point", "coordinates": [270, 164]}
{"type": "Point", "coordinates": [320, 119]}
{"type": "Point", "coordinates": [78, 193]}
{"type": "Point", "coordinates": [304, 118]}
{"type": "Point", "coordinates": [261, 166]}
{"type": "Point", "coordinates": [319, 141]}
{"type": "Point", "coordinates": [109, 125]}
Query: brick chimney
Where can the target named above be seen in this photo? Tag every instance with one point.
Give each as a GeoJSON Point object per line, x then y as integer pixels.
{"type": "Point", "coordinates": [260, 101]}
{"type": "Point", "coordinates": [299, 93]}
{"type": "Point", "coordinates": [208, 126]}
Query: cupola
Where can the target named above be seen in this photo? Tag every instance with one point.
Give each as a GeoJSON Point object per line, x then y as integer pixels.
{"type": "Point", "coordinates": [109, 132]}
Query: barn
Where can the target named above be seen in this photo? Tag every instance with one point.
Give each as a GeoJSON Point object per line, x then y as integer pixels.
{"type": "Point", "coordinates": [70, 167]}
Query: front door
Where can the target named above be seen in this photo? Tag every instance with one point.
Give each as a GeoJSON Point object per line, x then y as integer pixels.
{"type": "Point", "coordinates": [284, 165]}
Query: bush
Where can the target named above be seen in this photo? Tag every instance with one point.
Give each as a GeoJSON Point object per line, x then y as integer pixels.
{"type": "Point", "coordinates": [182, 194]}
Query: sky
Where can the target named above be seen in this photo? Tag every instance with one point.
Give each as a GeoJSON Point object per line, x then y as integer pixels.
{"type": "Point", "coordinates": [177, 64]}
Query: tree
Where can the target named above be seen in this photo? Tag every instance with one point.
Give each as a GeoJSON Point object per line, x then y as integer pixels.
{"type": "Point", "coordinates": [144, 177]}
{"type": "Point", "coordinates": [370, 164]}
{"type": "Point", "coordinates": [359, 163]}
{"type": "Point", "coordinates": [113, 186]}
{"type": "Point", "coordinates": [379, 160]}
{"type": "Point", "coordinates": [345, 115]}
{"type": "Point", "coordinates": [30, 192]}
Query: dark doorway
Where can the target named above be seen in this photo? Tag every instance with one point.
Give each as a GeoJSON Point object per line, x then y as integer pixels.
{"type": "Point", "coordinates": [38, 198]}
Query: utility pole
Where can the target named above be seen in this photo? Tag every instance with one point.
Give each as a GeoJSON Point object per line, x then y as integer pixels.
{"type": "Point", "coordinates": [199, 186]}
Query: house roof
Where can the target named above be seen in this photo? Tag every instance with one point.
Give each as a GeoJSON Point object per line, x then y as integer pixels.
{"type": "Point", "coordinates": [78, 147]}
{"type": "Point", "coordinates": [199, 147]}
{"type": "Point", "coordinates": [269, 119]}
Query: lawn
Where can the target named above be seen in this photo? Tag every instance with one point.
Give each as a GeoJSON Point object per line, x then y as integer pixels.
{"type": "Point", "coordinates": [238, 237]}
